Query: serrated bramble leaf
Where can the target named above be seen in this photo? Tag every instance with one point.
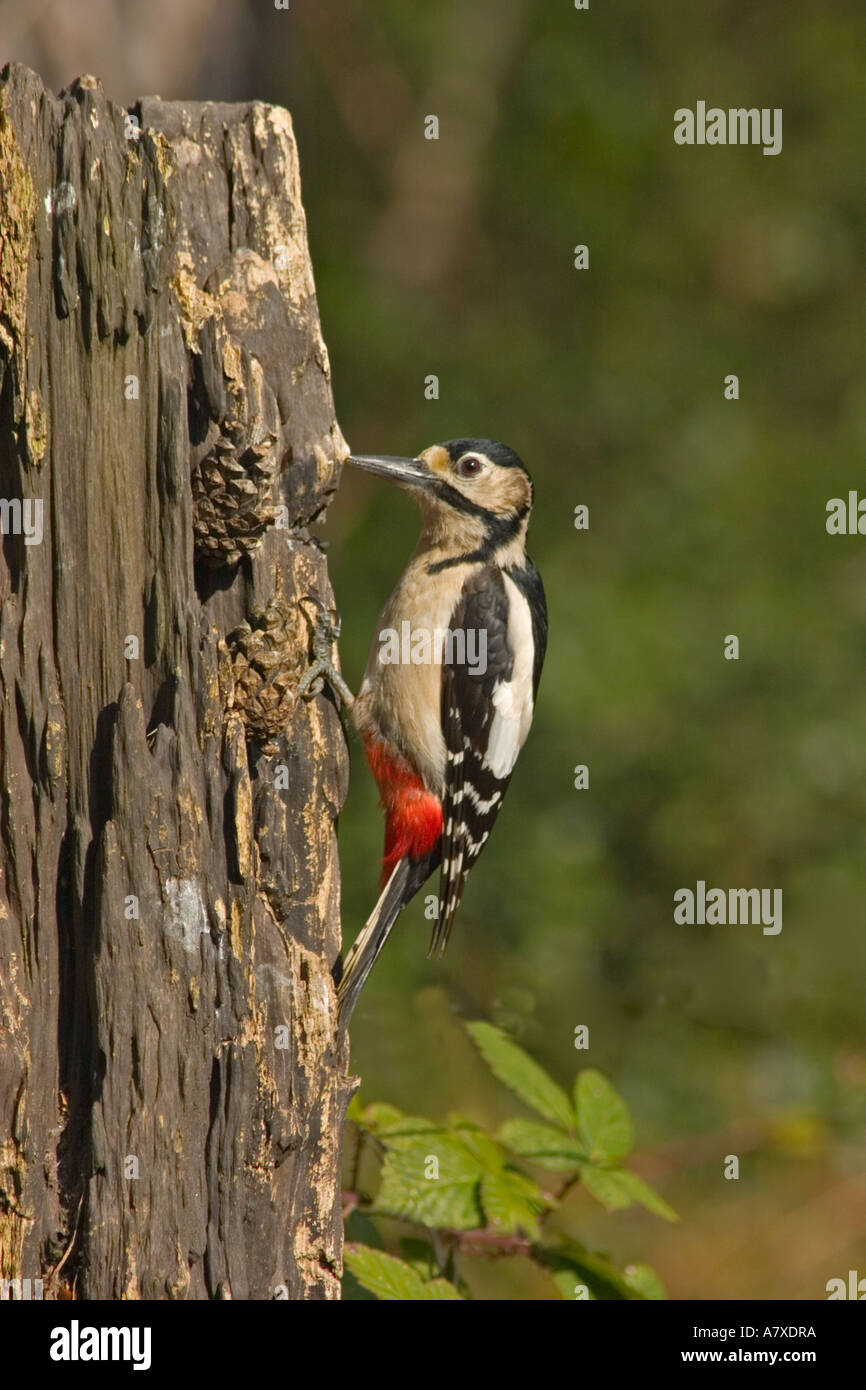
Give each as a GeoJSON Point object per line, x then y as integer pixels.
{"type": "Point", "coordinates": [487, 1152]}
{"type": "Point", "coordinates": [420, 1149]}
{"type": "Point", "coordinates": [641, 1191]}
{"type": "Point", "coordinates": [605, 1186]}
{"type": "Point", "coordinates": [644, 1281]}
{"type": "Point", "coordinates": [440, 1204]}
{"type": "Point", "coordinates": [541, 1144]}
{"type": "Point", "coordinates": [441, 1290]}
{"type": "Point", "coordinates": [392, 1279]}
{"type": "Point", "coordinates": [618, 1188]}
{"type": "Point", "coordinates": [573, 1266]}
{"type": "Point", "coordinates": [522, 1075]}
{"type": "Point", "coordinates": [429, 1176]}
{"type": "Point", "coordinates": [603, 1122]}
{"type": "Point", "coordinates": [381, 1274]}
{"type": "Point", "coordinates": [511, 1202]}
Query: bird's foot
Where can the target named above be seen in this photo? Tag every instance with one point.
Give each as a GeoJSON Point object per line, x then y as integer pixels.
{"type": "Point", "coordinates": [324, 632]}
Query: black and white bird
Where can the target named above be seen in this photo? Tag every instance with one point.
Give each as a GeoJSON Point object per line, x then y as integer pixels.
{"type": "Point", "coordinates": [451, 679]}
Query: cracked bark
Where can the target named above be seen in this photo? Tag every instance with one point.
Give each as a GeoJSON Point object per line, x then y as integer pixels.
{"type": "Point", "coordinates": [170, 1101]}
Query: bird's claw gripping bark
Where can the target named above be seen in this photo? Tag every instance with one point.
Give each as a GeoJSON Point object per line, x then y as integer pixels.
{"type": "Point", "coordinates": [324, 631]}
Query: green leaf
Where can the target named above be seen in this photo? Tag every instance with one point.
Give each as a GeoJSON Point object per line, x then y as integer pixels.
{"type": "Point", "coordinates": [355, 1109]}
{"type": "Point", "coordinates": [605, 1186]}
{"type": "Point", "coordinates": [351, 1291]}
{"type": "Point", "coordinates": [420, 1255]}
{"type": "Point", "coordinates": [484, 1149]}
{"type": "Point", "coordinates": [541, 1144]}
{"type": "Point", "coordinates": [568, 1280]}
{"type": "Point", "coordinates": [392, 1279]}
{"type": "Point", "coordinates": [571, 1265]}
{"type": "Point", "coordinates": [618, 1188]}
{"type": "Point", "coordinates": [512, 1202]}
{"type": "Point", "coordinates": [381, 1274]}
{"type": "Point", "coordinates": [413, 1187]}
{"type": "Point", "coordinates": [413, 1141]}
{"type": "Point", "coordinates": [361, 1230]}
{"type": "Point", "coordinates": [641, 1191]}
{"type": "Point", "coordinates": [376, 1116]}
{"type": "Point", "coordinates": [441, 1289]}
{"type": "Point", "coordinates": [603, 1122]}
{"type": "Point", "coordinates": [440, 1204]}
{"type": "Point", "coordinates": [644, 1281]}
{"type": "Point", "coordinates": [521, 1074]}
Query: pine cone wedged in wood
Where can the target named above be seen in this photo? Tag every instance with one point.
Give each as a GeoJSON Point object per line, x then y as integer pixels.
{"type": "Point", "coordinates": [267, 662]}
{"type": "Point", "coordinates": [234, 475]}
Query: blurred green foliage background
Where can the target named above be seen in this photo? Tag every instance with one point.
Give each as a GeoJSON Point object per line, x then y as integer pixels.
{"type": "Point", "coordinates": [707, 517]}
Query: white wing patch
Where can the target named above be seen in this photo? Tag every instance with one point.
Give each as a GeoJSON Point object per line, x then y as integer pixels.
{"type": "Point", "coordinates": [512, 700]}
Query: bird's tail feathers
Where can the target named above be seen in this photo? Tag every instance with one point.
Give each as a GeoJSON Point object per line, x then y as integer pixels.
{"type": "Point", "coordinates": [370, 940]}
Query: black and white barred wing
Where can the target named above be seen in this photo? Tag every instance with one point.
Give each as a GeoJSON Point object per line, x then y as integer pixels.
{"type": "Point", "coordinates": [487, 699]}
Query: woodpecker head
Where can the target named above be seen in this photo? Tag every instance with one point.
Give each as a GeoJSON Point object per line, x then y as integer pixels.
{"type": "Point", "coordinates": [473, 493]}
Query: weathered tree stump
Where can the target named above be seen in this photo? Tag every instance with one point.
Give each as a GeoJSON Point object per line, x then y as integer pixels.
{"type": "Point", "coordinates": [170, 1101]}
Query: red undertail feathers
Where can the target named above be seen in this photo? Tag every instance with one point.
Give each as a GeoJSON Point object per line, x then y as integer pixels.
{"type": "Point", "coordinates": [413, 815]}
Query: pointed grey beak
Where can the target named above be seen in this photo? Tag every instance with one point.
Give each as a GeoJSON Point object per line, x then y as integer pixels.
{"type": "Point", "coordinates": [399, 470]}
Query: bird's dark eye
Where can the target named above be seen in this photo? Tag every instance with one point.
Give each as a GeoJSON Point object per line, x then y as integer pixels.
{"type": "Point", "coordinates": [470, 465]}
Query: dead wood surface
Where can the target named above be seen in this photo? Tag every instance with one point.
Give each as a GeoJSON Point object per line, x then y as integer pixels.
{"type": "Point", "coordinates": [169, 890]}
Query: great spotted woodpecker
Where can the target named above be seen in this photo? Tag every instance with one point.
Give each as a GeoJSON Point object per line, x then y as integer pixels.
{"type": "Point", "coordinates": [450, 684]}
